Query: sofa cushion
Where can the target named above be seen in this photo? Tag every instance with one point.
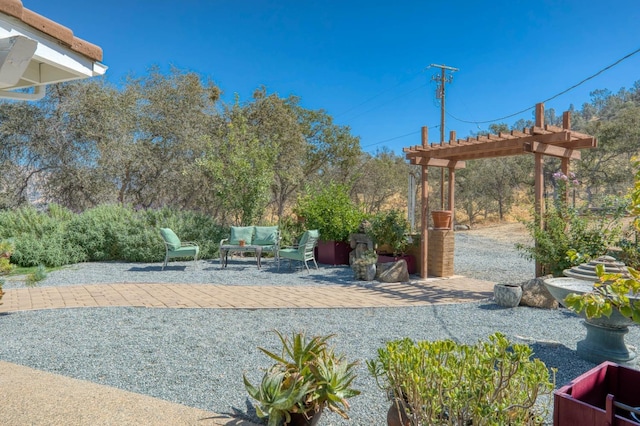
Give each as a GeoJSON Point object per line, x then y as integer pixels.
{"type": "Point", "coordinates": [170, 238]}
{"type": "Point", "coordinates": [241, 233]}
{"type": "Point", "coordinates": [265, 235]}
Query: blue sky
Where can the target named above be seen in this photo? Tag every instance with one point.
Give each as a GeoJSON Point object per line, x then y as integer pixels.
{"type": "Point", "coordinates": [364, 62]}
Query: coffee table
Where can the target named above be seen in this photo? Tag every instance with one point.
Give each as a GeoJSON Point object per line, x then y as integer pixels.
{"type": "Point", "coordinates": [226, 248]}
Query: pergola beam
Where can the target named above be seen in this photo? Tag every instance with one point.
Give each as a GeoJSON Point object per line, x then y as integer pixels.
{"type": "Point", "coordinates": [552, 150]}
{"type": "Point", "coordinates": [436, 162]}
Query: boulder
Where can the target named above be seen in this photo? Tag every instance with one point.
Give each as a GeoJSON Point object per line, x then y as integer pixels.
{"type": "Point", "coordinates": [392, 272]}
{"type": "Point", "coordinates": [536, 295]}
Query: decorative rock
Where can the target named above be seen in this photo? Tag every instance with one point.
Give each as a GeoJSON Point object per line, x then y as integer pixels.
{"type": "Point", "coordinates": [364, 271]}
{"type": "Point", "coordinates": [536, 295]}
{"type": "Point", "coordinates": [392, 272]}
{"type": "Point", "coordinates": [507, 295]}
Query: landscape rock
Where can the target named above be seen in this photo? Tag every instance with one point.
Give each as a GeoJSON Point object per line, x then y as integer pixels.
{"type": "Point", "coordinates": [392, 272]}
{"type": "Point", "coordinates": [536, 295]}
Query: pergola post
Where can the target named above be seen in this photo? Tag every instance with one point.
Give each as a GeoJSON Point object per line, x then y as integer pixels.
{"type": "Point", "coordinates": [452, 183]}
{"type": "Point", "coordinates": [566, 124]}
{"type": "Point", "coordinates": [539, 182]}
{"type": "Point", "coordinates": [424, 217]}
{"type": "Point", "coordinates": [540, 140]}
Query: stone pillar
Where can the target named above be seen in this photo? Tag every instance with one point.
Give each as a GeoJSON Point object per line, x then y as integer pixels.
{"type": "Point", "coordinates": [440, 259]}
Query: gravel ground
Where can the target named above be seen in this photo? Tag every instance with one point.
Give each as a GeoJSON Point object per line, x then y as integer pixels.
{"type": "Point", "coordinates": [197, 357]}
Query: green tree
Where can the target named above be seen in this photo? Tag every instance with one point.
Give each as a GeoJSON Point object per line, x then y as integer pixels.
{"type": "Point", "coordinates": [241, 168]}
{"type": "Point", "coordinates": [381, 180]}
{"type": "Point", "coordinates": [176, 113]}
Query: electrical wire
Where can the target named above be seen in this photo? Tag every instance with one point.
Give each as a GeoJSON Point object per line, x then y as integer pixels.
{"type": "Point", "coordinates": [379, 94]}
{"type": "Point", "coordinates": [552, 97]}
{"type": "Point", "coordinates": [397, 137]}
{"type": "Point", "coordinates": [389, 101]}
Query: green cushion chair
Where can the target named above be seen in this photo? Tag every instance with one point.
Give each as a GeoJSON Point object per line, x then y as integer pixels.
{"type": "Point", "coordinates": [176, 248]}
{"type": "Point", "coordinates": [303, 252]}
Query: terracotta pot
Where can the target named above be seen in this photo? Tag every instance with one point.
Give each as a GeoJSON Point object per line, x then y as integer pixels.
{"type": "Point", "coordinates": [441, 219]}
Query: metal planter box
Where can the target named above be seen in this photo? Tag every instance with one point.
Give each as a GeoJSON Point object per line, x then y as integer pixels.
{"type": "Point", "coordinates": [333, 252]}
{"type": "Point", "coordinates": [598, 397]}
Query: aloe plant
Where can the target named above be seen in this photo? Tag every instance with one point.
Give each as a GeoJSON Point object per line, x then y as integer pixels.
{"type": "Point", "coordinates": [307, 377]}
{"type": "Point", "coordinates": [278, 394]}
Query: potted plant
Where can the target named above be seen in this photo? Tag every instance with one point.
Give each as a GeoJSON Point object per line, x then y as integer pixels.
{"type": "Point", "coordinates": [6, 249]}
{"type": "Point", "coordinates": [330, 211]}
{"type": "Point", "coordinates": [389, 231]}
{"type": "Point", "coordinates": [306, 378]}
{"type": "Point", "coordinates": [443, 382]}
{"type": "Point", "coordinates": [364, 268]}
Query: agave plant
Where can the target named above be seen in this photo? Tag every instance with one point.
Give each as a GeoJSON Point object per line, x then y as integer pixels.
{"type": "Point", "coordinates": [307, 377]}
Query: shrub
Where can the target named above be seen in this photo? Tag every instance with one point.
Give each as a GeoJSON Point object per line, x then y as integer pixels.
{"type": "Point", "coordinates": [59, 237]}
{"type": "Point", "coordinates": [98, 231]}
{"type": "Point", "coordinates": [6, 249]}
{"type": "Point", "coordinates": [443, 382]}
{"type": "Point", "coordinates": [615, 291]}
{"type": "Point", "coordinates": [330, 211]}
{"type": "Point", "coordinates": [569, 238]}
{"type": "Point", "coordinates": [390, 228]}
{"type": "Point", "coordinates": [39, 275]}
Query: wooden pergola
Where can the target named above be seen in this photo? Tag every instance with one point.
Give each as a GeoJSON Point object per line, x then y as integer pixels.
{"type": "Point", "coordinates": [539, 140]}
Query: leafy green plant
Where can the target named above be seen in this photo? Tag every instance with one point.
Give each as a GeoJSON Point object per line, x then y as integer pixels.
{"type": "Point", "coordinates": [6, 250]}
{"type": "Point", "coordinates": [307, 377]}
{"type": "Point", "coordinates": [330, 211]}
{"type": "Point", "coordinates": [390, 228]}
{"type": "Point", "coordinates": [38, 275]}
{"type": "Point", "coordinates": [369, 257]}
{"type": "Point", "coordinates": [446, 383]}
{"type": "Point", "coordinates": [569, 238]}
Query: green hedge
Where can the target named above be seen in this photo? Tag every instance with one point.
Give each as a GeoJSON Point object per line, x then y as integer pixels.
{"type": "Point", "coordinates": [57, 236]}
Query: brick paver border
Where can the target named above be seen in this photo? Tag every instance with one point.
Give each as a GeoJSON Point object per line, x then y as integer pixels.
{"type": "Point", "coordinates": [163, 295]}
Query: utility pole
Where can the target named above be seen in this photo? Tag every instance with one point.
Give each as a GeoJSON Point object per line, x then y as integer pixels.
{"type": "Point", "coordinates": [440, 94]}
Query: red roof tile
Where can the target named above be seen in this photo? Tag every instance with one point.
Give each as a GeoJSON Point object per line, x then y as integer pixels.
{"type": "Point", "coordinates": [59, 32]}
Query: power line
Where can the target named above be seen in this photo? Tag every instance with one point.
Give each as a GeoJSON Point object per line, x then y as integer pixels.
{"type": "Point", "coordinates": [378, 95]}
{"type": "Point", "coordinates": [397, 137]}
{"type": "Point", "coordinates": [552, 97]}
{"type": "Point", "coordinates": [389, 101]}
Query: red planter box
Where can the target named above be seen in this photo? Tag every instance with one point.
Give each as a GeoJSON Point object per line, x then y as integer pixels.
{"type": "Point", "coordinates": [333, 253]}
{"type": "Point", "coordinates": [410, 259]}
{"type": "Point", "coordinates": [589, 399]}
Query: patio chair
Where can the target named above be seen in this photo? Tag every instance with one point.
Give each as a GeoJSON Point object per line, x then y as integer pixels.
{"type": "Point", "coordinates": [176, 248]}
{"type": "Point", "coordinates": [303, 252]}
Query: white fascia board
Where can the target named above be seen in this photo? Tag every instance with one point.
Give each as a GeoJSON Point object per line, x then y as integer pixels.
{"type": "Point", "coordinates": [68, 64]}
